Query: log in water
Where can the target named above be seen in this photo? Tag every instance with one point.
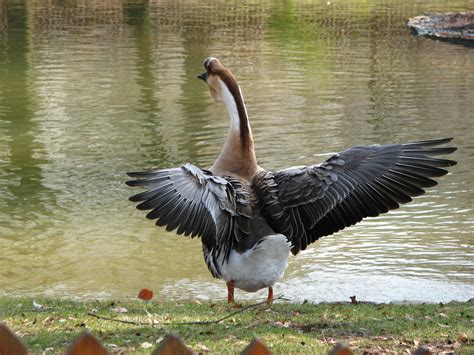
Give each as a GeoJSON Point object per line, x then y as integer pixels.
{"type": "Point", "coordinates": [451, 26]}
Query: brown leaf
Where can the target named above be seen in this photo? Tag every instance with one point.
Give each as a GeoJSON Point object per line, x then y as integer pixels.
{"type": "Point", "coordinates": [463, 338]}
{"type": "Point", "coordinates": [145, 294]}
{"type": "Point", "coordinates": [48, 319]}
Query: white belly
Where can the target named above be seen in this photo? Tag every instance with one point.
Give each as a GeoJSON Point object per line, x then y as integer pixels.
{"type": "Point", "coordinates": [260, 266]}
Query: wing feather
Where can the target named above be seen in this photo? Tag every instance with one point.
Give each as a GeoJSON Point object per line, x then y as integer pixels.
{"type": "Point", "coordinates": [306, 203]}
{"type": "Point", "coordinates": [190, 200]}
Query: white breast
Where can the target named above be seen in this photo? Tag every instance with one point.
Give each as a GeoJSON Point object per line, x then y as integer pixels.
{"type": "Point", "coordinates": [259, 267]}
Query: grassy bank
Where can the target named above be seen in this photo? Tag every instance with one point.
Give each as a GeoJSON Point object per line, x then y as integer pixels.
{"type": "Point", "coordinates": [51, 324]}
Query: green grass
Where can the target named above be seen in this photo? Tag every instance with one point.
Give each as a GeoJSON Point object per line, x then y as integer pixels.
{"type": "Point", "coordinates": [283, 327]}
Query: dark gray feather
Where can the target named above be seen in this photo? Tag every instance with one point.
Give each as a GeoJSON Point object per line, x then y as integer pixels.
{"type": "Point", "coordinates": [191, 200]}
{"type": "Point", "coordinates": [306, 203]}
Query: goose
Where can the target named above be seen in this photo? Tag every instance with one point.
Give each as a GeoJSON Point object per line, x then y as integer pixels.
{"type": "Point", "coordinates": [251, 219]}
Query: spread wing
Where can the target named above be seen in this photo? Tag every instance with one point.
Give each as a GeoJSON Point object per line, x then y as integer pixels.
{"type": "Point", "coordinates": [310, 202]}
{"type": "Point", "coordinates": [192, 201]}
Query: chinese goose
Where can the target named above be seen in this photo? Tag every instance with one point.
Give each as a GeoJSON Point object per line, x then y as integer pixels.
{"type": "Point", "coordinates": [250, 219]}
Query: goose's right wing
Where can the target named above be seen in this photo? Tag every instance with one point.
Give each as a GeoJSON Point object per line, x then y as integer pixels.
{"type": "Point", "coordinates": [310, 202]}
{"type": "Point", "coordinates": [191, 200]}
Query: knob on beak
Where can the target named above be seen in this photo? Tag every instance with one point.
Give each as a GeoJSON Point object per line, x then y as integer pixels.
{"type": "Point", "coordinates": [203, 76]}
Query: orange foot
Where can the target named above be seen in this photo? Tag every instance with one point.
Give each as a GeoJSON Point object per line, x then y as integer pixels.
{"type": "Point", "coordinates": [230, 292]}
{"type": "Point", "coordinates": [270, 295]}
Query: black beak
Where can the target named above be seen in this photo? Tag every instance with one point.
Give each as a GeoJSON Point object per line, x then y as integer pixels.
{"type": "Point", "coordinates": [203, 76]}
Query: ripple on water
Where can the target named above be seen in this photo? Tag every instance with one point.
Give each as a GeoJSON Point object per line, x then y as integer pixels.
{"type": "Point", "coordinates": [94, 90]}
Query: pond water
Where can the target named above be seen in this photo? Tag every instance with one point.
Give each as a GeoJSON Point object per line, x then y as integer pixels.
{"type": "Point", "coordinates": [90, 90]}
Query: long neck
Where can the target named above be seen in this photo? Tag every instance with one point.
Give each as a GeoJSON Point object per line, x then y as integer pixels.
{"type": "Point", "coordinates": [239, 122]}
{"type": "Point", "coordinates": [237, 156]}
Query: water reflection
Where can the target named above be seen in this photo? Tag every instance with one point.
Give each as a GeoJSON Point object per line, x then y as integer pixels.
{"type": "Point", "coordinates": [22, 162]}
{"type": "Point", "coordinates": [137, 17]}
{"type": "Point", "coordinates": [90, 90]}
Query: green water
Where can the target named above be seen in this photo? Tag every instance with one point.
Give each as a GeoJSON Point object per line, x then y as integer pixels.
{"type": "Point", "coordinates": [92, 89]}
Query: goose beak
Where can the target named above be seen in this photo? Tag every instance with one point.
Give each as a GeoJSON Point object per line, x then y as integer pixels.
{"type": "Point", "coordinates": [203, 76]}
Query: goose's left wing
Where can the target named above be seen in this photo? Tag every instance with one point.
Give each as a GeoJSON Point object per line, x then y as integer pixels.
{"type": "Point", "coordinates": [192, 200]}
{"type": "Point", "coordinates": [310, 202]}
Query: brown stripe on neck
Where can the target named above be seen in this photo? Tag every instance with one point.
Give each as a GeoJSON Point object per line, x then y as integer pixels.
{"type": "Point", "coordinates": [231, 83]}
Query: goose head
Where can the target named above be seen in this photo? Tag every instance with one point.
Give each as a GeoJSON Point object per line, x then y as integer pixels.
{"type": "Point", "coordinates": [220, 80]}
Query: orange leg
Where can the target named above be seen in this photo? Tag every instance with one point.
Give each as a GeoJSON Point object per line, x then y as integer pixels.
{"type": "Point", "coordinates": [270, 295]}
{"type": "Point", "coordinates": [230, 292]}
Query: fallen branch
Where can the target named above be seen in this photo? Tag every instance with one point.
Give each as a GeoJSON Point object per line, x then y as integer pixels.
{"type": "Point", "coordinates": [152, 323]}
{"type": "Point", "coordinates": [116, 320]}
{"type": "Point", "coordinates": [232, 314]}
